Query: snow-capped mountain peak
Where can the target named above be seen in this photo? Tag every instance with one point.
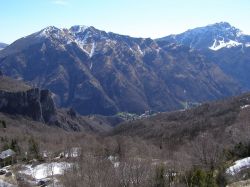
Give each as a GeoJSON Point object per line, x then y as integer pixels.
{"type": "Point", "coordinates": [78, 28]}
{"type": "Point", "coordinates": [224, 29]}
{"type": "Point", "coordinates": [46, 32]}
{"type": "Point", "coordinates": [61, 37]}
{"type": "Point", "coordinates": [85, 37]}
{"type": "Point", "coordinates": [222, 25]}
{"type": "Point", "coordinates": [214, 37]}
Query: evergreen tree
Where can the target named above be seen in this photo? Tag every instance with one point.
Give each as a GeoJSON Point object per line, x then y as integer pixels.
{"type": "Point", "coordinates": [210, 180]}
{"type": "Point", "coordinates": [3, 124]}
{"type": "Point", "coordinates": [202, 178]}
{"type": "Point", "coordinates": [34, 149]}
{"type": "Point", "coordinates": [160, 180]}
{"type": "Point", "coordinates": [199, 178]}
{"type": "Point", "coordinates": [5, 146]}
{"type": "Point", "coordinates": [14, 146]}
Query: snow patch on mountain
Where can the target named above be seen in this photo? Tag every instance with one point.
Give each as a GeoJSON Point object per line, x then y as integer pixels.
{"type": "Point", "coordinates": [48, 31]}
{"type": "Point", "coordinates": [139, 49]}
{"type": "Point", "coordinates": [81, 41]}
{"type": "Point", "coordinates": [43, 48]}
{"type": "Point", "coordinates": [214, 37]}
{"type": "Point", "coordinates": [80, 44]}
{"type": "Point", "coordinates": [217, 45]}
{"type": "Point", "coordinates": [92, 50]}
{"type": "Point", "coordinates": [247, 45]}
{"type": "Point", "coordinates": [91, 65]}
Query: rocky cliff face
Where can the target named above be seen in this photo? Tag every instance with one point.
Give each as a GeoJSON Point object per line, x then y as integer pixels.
{"type": "Point", "coordinates": [34, 103]}
{"type": "Point", "coordinates": [37, 107]}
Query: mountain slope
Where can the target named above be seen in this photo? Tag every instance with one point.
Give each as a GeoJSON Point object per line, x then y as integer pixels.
{"type": "Point", "coordinates": [223, 44]}
{"type": "Point", "coordinates": [225, 122]}
{"type": "Point", "coordinates": [235, 62]}
{"type": "Point", "coordinates": [104, 73]}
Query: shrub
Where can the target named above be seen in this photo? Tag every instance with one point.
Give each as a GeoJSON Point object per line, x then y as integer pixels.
{"type": "Point", "coordinates": [201, 178]}
{"type": "Point", "coordinates": [160, 180]}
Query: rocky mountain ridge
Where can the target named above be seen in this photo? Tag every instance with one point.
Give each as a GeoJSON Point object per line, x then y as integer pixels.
{"type": "Point", "coordinates": [214, 37]}
{"type": "Point", "coordinates": [97, 72]}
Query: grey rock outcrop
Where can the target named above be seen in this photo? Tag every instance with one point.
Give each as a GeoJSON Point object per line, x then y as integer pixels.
{"type": "Point", "coordinates": [34, 103]}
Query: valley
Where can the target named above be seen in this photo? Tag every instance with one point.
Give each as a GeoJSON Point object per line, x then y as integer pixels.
{"type": "Point", "coordinates": [207, 138]}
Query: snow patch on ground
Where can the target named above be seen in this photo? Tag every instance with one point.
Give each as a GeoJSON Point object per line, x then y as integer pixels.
{"type": "Point", "coordinates": [222, 44]}
{"type": "Point", "coordinates": [247, 45]}
{"type": "Point", "coordinates": [45, 170]}
{"type": "Point", "coordinates": [114, 161]}
{"type": "Point", "coordinates": [238, 166]}
{"type": "Point", "coordinates": [5, 184]}
{"type": "Point", "coordinates": [245, 106]}
{"type": "Point", "coordinates": [72, 153]}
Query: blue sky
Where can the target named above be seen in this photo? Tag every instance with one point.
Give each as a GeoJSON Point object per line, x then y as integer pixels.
{"type": "Point", "coordinates": [139, 18]}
